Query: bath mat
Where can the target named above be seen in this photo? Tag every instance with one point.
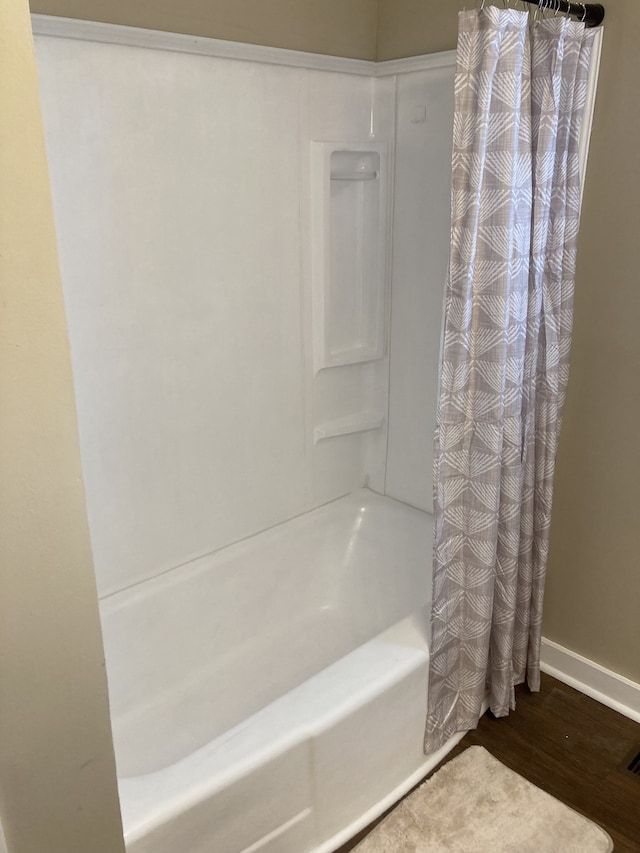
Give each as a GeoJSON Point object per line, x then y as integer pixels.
{"type": "Point", "coordinates": [474, 804]}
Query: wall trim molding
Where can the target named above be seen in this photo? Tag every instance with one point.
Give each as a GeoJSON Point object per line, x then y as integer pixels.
{"type": "Point", "coordinates": [607, 687]}
{"type": "Point", "coordinates": [72, 28]}
{"type": "Point", "coordinates": [590, 105]}
{"type": "Point", "coordinates": [426, 62]}
{"type": "Point", "coordinates": [96, 31]}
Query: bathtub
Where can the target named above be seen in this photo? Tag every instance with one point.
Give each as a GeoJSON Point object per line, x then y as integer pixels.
{"type": "Point", "coordinates": [271, 696]}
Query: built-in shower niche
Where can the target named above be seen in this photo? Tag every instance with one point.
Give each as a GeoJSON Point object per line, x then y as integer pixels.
{"type": "Point", "coordinates": [349, 257]}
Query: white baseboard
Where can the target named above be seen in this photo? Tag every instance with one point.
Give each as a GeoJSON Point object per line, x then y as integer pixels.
{"type": "Point", "coordinates": [588, 677]}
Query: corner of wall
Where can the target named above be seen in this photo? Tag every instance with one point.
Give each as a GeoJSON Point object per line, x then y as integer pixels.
{"type": "Point", "coordinates": [57, 774]}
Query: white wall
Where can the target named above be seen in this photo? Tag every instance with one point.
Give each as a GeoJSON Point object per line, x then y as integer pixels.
{"type": "Point", "coordinates": [181, 189]}
{"type": "Point", "coordinates": [424, 123]}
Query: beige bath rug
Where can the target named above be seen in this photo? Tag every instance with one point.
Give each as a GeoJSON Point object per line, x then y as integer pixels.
{"type": "Point", "coordinates": [474, 804]}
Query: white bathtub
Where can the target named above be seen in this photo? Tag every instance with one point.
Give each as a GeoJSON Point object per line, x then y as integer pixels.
{"type": "Point", "coordinates": [271, 696]}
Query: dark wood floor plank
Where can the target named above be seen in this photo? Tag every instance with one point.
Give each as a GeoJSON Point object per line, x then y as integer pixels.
{"type": "Point", "coordinates": [572, 747]}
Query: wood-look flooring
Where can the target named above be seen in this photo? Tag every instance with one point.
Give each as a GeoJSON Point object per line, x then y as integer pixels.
{"type": "Point", "coordinates": [572, 747]}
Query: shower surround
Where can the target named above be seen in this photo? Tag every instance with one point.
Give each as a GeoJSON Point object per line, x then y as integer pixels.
{"type": "Point", "coordinates": [255, 431]}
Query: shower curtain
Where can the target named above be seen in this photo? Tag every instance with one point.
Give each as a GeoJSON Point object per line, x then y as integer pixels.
{"type": "Point", "coordinates": [520, 90]}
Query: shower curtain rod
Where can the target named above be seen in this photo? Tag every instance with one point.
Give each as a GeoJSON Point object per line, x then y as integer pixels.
{"type": "Point", "coordinates": [591, 13]}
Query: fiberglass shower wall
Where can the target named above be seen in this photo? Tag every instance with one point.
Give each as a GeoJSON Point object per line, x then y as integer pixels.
{"type": "Point", "coordinates": [227, 375]}
{"type": "Point", "coordinates": [181, 188]}
{"type": "Point", "coordinates": [421, 233]}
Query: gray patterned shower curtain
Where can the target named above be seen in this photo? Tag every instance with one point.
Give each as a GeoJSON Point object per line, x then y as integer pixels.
{"type": "Point", "coordinates": [520, 91]}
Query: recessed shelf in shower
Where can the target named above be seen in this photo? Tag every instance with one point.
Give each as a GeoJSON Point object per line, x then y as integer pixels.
{"type": "Point", "coordinates": [349, 237]}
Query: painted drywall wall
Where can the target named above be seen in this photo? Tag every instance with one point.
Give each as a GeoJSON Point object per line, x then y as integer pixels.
{"type": "Point", "coordinates": [593, 581]}
{"type": "Point", "coordinates": [57, 773]}
{"type": "Point", "coordinates": [336, 27]}
{"type": "Point", "coordinates": [414, 27]}
{"type": "Point", "coordinates": [593, 586]}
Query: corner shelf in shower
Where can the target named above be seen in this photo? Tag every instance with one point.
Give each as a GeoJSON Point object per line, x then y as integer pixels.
{"type": "Point", "coordinates": [348, 252]}
{"type": "Point", "coordinates": [360, 422]}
